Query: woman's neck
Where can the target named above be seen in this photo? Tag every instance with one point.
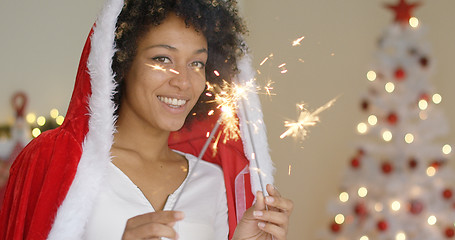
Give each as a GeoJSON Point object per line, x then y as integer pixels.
{"type": "Point", "coordinates": [136, 135]}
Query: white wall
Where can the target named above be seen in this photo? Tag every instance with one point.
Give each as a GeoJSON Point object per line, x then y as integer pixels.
{"type": "Point", "coordinates": [41, 41]}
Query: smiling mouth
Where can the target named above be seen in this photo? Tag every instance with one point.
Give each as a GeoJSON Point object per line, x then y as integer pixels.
{"type": "Point", "coordinates": [172, 102]}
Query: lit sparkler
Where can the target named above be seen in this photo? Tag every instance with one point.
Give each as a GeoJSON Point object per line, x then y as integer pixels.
{"type": "Point", "coordinates": [227, 97]}
{"type": "Point", "coordinates": [298, 129]}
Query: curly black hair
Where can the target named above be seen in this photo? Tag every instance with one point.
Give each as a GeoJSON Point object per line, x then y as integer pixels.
{"type": "Point", "coordinates": [218, 20]}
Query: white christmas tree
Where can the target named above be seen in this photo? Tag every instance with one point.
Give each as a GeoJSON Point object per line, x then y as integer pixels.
{"type": "Point", "coordinates": [397, 186]}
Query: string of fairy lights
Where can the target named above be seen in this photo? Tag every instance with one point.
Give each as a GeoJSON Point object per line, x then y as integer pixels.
{"type": "Point", "coordinates": [41, 123]}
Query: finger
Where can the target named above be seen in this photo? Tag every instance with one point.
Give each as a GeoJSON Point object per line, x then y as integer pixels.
{"type": "Point", "coordinates": [259, 204]}
{"type": "Point", "coordinates": [277, 232]}
{"type": "Point", "coordinates": [280, 203]}
{"type": "Point", "coordinates": [272, 190]}
{"type": "Point", "coordinates": [277, 218]}
{"type": "Point", "coordinates": [163, 217]}
{"type": "Point", "coordinates": [150, 231]}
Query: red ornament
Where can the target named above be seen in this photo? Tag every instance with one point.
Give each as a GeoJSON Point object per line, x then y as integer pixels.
{"type": "Point", "coordinates": [360, 152]}
{"type": "Point", "coordinates": [365, 105]}
{"type": "Point", "coordinates": [449, 232]}
{"type": "Point", "coordinates": [382, 225]}
{"type": "Point", "coordinates": [335, 227]}
{"type": "Point", "coordinates": [415, 207]}
{"type": "Point", "coordinates": [392, 119]}
{"type": "Point", "coordinates": [438, 163]}
{"type": "Point", "coordinates": [423, 61]}
{"type": "Point", "coordinates": [386, 167]}
{"type": "Point", "coordinates": [424, 96]}
{"type": "Point", "coordinates": [403, 11]}
{"type": "Point", "coordinates": [447, 193]}
{"type": "Point", "coordinates": [400, 74]}
{"type": "Point", "coordinates": [355, 162]}
{"type": "Point", "coordinates": [360, 210]}
{"type": "Point", "coordinates": [412, 163]}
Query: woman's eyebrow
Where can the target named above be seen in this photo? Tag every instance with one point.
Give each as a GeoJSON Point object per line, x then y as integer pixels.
{"type": "Point", "coordinates": [199, 51]}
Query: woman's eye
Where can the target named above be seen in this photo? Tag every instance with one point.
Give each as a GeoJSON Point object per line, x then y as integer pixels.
{"type": "Point", "coordinates": [163, 60]}
{"type": "Point", "coordinates": [198, 65]}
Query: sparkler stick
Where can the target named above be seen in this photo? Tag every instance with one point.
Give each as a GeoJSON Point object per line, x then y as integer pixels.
{"type": "Point", "coordinates": [248, 128]}
{"type": "Point", "coordinates": [199, 158]}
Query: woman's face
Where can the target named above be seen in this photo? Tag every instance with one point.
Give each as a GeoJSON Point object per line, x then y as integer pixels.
{"type": "Point", "coordinates": [167, 75]}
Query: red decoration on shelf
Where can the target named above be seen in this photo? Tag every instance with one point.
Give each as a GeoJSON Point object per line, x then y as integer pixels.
{"type": "Point", "coordinates": [403, 11]}
{"type": "Point", "coordinates": [355, 162]}
{"type": "Point", "coordinates": [447, 193]}
{"type": "Point", "coordinates": [392, 118]}
{"type": "Point", "coordinates": [415, 207]}
{"type": "Point", "coordinates": [335, 227]}
{"type": "Point", "coordinates": [449, 232]}
{"type": "Point", "coordinates": [382, 225]}
{"type": "Point", "coordinates": [400, 74]}
{"type": "Point", "coordinates": [386, 167]}
{"type": "Point", "coordinates": [412, 163]}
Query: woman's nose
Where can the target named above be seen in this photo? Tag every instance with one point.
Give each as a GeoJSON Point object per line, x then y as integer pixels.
{"type": "Point", "coordinates": [180, 78]}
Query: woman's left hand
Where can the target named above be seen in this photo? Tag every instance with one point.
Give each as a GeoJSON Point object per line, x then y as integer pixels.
{"type": "Point", "coordinates": [259, 223]}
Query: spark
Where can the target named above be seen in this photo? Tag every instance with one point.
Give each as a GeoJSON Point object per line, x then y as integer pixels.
{"type": "Point", "coordinates": [306, 119]}
{"type": "Point", "coordinates": [174, 71]}
{"type": "Point", "coordinates": [282, 65]}
{"type": "Point", "coordinates": [284, 71]}
{"type": "Point", "coordinates": [268, 88]}
{"type": "Point", "coordinates": [297, 41]}
{"type": "Point", "coordinates": [265, 59]}
{"type": "Point", "coordinates": [156, 67]}
{"type": "Point", "coordinates": [289, 170]}
{"type": "Point", "coordinates": [301, 60]}
{"type": "Point", "coordinates": [216, 73]}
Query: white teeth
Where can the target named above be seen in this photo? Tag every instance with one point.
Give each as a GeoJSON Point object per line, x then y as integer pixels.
{"type": "Point", "coordinates": [173, 102]}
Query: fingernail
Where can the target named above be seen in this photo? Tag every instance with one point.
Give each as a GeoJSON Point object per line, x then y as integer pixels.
{"type": "Point", "coordinates": [261, 225]}
{"type": "Point", "coordinates": [179, 215]}
{"type": "Point", "coordinates": [269, 199]}
{"type": "Point", "coordinates": [258, 213]}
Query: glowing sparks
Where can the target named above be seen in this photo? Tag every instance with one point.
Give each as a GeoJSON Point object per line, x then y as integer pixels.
{"type": "Point", "coordinates": [297, 128]}
{"type": "Point", "coordinates": [216, 73]}
{"type": "Point", "coordinates": [282, 65]}
{"type": "Point", "coordinates": [289, 170]}
{"type": "Point", "coordinates": [268, 88]}
{"type": "Point", "coordinates": [227, 97]}
{"type": "Point", "coordinates": [156, 67]}
{"type": "Point", "coordinates": [174, 71]}
{"type": "Point", "coordinates": [266, 59]}
{"type": "Point", "coordinates": [298, 41]}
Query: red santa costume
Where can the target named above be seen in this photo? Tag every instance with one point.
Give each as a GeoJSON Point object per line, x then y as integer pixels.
{"type": "Point", "coordinates": [55, 179]}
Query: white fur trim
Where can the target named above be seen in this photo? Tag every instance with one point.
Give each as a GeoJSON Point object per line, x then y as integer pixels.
{"type": "Point", "coordinates": [77, 206]}
{"type": "Point", "coordinates": [252, 129]}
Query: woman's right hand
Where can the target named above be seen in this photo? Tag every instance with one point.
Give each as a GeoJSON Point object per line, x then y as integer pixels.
{"type": "Point", "coordinates": [152, 225]}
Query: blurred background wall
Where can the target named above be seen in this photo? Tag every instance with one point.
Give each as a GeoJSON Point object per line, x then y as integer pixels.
{"type": "Point", "coordinates": [41, 42]}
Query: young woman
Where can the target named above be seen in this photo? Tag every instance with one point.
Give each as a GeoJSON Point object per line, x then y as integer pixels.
{"type": "Point", "coordinates": [113, 170]}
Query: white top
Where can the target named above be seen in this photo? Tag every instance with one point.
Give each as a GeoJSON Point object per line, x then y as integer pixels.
{"type": "Point", "coordinates": [203, 201]}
